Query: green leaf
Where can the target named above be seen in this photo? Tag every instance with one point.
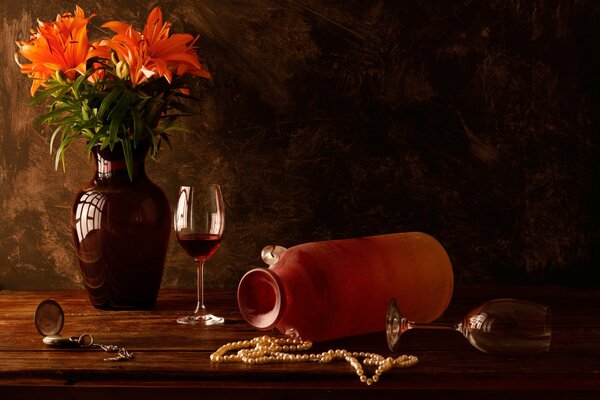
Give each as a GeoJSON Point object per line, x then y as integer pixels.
{"type": "Point", "coordinates": [171, 128]}
{"type": "Point", "coordinates": [87, 129]}
{"type": "Point", "coordinates": [47, 93]}
{"type": "Point", "coordinates": [85, 111]}
{"type": "Point", "coordinates": [121, 107]}
{"type": "Point", "coordinates": [153, 110]}
{"type": "Point", "coordinates": [54, 134]}
{"type": "Point", "coordinates": [112, 96]}
{"type": "Point", "coordinates": [52, 114]}
{"type": "Point", "coordinates": [92, 143]}
{"type": "Point", "coordinates": [104, 143]}
{"type": "Point", "coordinates": [68, 120]}
{"type": "Point", "coordinates": [187, 110]}
{"type": "Point", "coordinates": [114, 128]}
{"type": "Point", "coordinates": [77, 84]}
{"type": "Point", "coordinates": [128, 157]}
{"type": "Point", "coordinates": [138, 126]}
{"type": "Point", "coordinates": [60, 153]}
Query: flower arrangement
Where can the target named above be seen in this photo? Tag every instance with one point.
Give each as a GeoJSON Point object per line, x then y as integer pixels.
{"type": "Point", "coordinates": [125, 89]}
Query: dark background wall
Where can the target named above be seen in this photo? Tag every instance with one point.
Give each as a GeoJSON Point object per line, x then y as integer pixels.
{"type": "Point", "coordinates": [474, 121]}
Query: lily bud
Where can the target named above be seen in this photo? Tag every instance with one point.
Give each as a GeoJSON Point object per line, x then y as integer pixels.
{"type": "Point", "coordinates": [122, 69]}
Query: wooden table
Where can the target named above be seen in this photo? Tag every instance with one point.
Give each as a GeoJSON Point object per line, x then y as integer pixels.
{"type": "Point", "coordinates": [172, 361]}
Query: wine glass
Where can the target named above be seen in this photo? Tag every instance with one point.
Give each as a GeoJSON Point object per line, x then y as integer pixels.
{"type": "Point", "coordinates": [501, 326]}
{"type": "Point", "coordinates": [199, 221]}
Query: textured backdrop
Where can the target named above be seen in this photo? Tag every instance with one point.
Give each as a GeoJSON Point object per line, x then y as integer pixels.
{"type": "Point", "coordinates": [474, 121]}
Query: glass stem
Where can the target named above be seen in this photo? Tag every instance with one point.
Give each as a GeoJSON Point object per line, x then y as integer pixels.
{"type": "Point", "coordinates": [200, 287]}
{"type": "Point", "coordinates": [432, 325]}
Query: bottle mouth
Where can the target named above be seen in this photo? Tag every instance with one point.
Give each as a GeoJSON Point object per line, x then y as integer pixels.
{"type": "Point", "coordinates": [260, 298]}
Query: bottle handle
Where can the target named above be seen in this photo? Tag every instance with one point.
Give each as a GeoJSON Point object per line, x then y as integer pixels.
{"type": "Point", "coordinates": [270, 254]}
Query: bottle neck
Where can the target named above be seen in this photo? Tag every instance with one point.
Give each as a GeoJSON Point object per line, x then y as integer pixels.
{"type": "Point", "coordinates": [261, 298]}
{"type": "Point", "coordinates": [111, 167]}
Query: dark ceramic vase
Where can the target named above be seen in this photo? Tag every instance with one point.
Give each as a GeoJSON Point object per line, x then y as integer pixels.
{"type": "Point", "coordinates": [121, 232]}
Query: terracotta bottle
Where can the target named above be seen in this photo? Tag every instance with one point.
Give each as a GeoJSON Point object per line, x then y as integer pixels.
{"type": "Point", "coordinates": [331, 289]}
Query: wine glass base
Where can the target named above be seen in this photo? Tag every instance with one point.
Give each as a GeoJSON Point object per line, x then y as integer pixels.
{"type": "Point", "coordinates": [393, 328]}
{"type": "Point", "coordinates": [203, 319]}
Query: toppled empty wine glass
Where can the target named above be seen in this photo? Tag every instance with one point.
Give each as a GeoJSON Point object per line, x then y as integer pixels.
{"type": "Point", "coordinates": [501, 326]}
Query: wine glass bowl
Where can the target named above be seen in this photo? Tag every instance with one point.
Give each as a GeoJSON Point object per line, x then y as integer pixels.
{"type": "Point", "coordinates": [199, 221]}
{"type": "Point", "coordinates": [501, 326]}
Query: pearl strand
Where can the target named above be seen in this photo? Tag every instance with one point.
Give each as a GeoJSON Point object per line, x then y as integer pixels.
{"type": "Point", "coordinates": [266, 349]}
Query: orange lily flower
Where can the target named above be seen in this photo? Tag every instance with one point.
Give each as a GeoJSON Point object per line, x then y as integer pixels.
{"type": "Point", "coordinates": [56, 46]}
{"type": "Point", "coordinates": [154, 52]}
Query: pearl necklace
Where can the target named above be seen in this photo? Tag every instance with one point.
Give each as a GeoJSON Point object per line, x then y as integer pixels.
{"type": "Point", "coordinates": [266, 349]}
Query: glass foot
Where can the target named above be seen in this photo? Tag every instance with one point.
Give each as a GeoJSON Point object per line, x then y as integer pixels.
{"type": "Point", "coordinates": [392, 326]}
{"type": "Point", "coordinates": [201, 319]}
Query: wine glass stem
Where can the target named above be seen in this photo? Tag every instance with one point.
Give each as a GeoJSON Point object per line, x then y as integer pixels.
{"type": "Point", "coordinates": [200, 287]}
{"type": "Point", "coordinates": [438, 326]}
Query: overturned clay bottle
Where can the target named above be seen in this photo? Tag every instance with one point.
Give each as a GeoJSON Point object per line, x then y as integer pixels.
{"type": "Point", "coordinates": [331, 289]}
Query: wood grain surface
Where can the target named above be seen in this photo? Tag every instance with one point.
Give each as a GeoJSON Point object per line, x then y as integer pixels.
{"type": "Point", "coordinates": [172, 360]}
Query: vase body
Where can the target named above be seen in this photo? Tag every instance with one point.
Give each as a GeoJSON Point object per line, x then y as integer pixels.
{"type": "Point", "coordinates": [331, 289]}
{"type": "Point", "coordinates": [121, 229]}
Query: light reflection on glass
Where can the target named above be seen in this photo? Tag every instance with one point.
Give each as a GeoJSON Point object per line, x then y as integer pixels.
{"type": "Point", "coordinates": [213, 222]}
{"type": "Point", "coordinates": [105, 167]}
{"type": "Point", "coordinates": [183, 207]}
{"type": "Point", "coordinates": [88, 214]}
{"type": "Point", "coordinates": [216, 227]}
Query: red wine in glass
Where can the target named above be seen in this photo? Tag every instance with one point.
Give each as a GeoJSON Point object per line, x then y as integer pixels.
{"type": "Point", "coordinates": [199, 246]}
{"type": "Point", "coordinates": [199, 221]}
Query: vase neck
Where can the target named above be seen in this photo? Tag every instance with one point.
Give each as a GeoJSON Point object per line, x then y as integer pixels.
{"type": "Point", "coordinates": [111, 167]}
